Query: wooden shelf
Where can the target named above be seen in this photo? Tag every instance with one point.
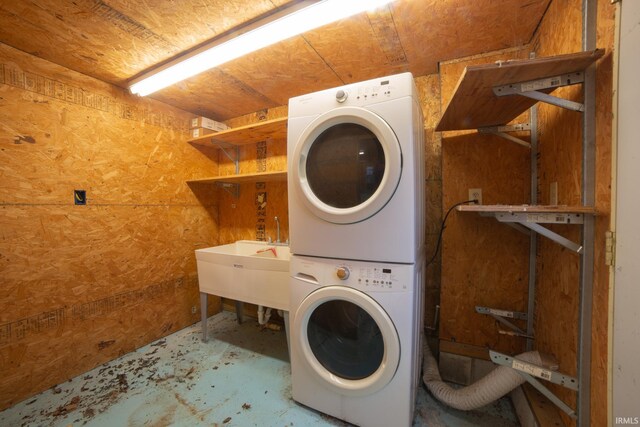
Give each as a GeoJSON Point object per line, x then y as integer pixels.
{"type": "Point", "coordinates": [256, 132]}
{"type": "Point", "coordinates": [527, 209]}
{"type": "Point", "coordinates": [242, 178]}
{"type": "Point", "coordinates": [474, 104]}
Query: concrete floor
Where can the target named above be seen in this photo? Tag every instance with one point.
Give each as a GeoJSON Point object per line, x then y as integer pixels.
{"type": "Point", "coordinates": [240, 377]}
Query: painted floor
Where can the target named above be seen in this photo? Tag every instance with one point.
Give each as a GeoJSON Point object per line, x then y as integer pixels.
{"type": "Point", "coordinates": [240, 377]}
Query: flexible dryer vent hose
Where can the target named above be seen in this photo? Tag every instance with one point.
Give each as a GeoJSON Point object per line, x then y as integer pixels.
{"type": "Point", "coordinates": [491, 387]}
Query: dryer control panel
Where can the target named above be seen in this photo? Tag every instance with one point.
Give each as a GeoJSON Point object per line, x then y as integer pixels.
{"type": "Point", "coordinates": [359, 94]}
{"type": "Point", "coordinates": [366, 93]}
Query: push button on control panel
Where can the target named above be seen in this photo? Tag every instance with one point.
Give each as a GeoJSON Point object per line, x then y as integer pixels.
{"type": "Point", "coordinates": [378, 278]}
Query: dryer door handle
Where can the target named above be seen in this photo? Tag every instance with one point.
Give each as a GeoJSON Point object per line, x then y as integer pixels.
{"type": "Point", "coordinates": [306, 278]}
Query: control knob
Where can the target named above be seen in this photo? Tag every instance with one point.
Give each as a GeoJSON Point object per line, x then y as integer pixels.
{"type": "Point", "coordinates": [341, 96]}
{"type": "Point", "coordinates": [342, 273]}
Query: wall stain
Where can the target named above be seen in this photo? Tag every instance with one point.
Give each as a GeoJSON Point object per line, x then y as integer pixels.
{"type": "Point", "coordinates": [27, 138]}
{"type": "Point", "coordinates": [104, 344]}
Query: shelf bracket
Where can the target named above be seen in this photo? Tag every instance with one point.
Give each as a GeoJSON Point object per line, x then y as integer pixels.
{"type": "Point", "coordinates": [555, 237]}
{"type": "Point", "coordinates": [529, 370]}
{"type": "Point", "coordinates": [532, 221]}
{"type": "Point", "coordinates": [514, 225]}
{"type": "Point", "coordinates": [231, 151]}
{"type": "Point", "coordinates": [231, 188]}
{"type": "Point", "coordinates": [502, 315]}
{"type": "Point", "coordinates": [520, 228]}
{"type": "Point", "coordinates": [532, 88]}
{"type": "Point", "coordinates": [501, 131]}
{"type": "Point", "coordinates": [554, 100]}
{"type": "Point", "coordinates": [540, 217]}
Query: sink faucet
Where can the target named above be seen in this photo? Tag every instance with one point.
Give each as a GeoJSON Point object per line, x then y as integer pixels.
{"type": "Point", "coordinates": [277, 230]}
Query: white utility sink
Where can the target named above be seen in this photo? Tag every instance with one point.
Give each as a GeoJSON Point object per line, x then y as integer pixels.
{"type": "Point", "coordinates": [248, 271]}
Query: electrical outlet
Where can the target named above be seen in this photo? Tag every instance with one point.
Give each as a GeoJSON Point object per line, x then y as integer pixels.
{"type": "Point", "coordinates": [80, 197]}
{"type": "Point", "coordinates": [193, 309]}
{"type": "Point", "coordinates": [475, 194]}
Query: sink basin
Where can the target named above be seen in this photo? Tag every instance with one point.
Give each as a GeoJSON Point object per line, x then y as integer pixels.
{"type": "Point", "coordinates": [247, 270]}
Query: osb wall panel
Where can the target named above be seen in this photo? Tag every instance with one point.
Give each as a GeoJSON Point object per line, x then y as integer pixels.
{"type": "Point", "coordinates": [557, 298]}
{"type": "Point", "coordinates": [429, 92]}
{"type": "Point", "coordinates": [484, 263]}
{"type": "Point", "coordinates": [80, 285]}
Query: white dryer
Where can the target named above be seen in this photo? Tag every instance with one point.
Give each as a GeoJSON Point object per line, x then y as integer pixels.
{"type": "Point", "coordinates": [356, 172]}
{"type": "Point", "coordinates": [356, 338]}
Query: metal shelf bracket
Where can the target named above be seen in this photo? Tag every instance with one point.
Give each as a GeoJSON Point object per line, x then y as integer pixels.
{"type": "Point", "coordinates": [532, 221]}
{"type": "Point", "coordinates": [233, 153]}
{"type": "Point", "coordinates": [530, 372]}
{"type": "Point", "coordinates": [501, 131]}
{"type": "Point", "coordinates": [555, 237]}
{"type": "Point", "coordinates": [532, 88]}
{"type": "Point", "coordinates": [231, 188]}
{"type": "Point", "coordinates": [502, 316]}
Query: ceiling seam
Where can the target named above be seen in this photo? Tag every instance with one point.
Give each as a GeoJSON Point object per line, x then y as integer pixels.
{"type": "Point", "coordinates": [535, 31]}
{"type": "Point", "coordinates": [322, 59]}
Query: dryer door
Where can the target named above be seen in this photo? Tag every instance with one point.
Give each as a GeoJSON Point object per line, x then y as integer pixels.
{"type": "Point", "coordinates": [347, 165]}
{"type": "Point", "coordinates": [347, 340]}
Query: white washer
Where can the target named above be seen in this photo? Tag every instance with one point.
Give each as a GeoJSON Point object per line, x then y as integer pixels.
{"type": "Point", "coordinates": [356, 338]}
{"type": "Point", "coordinates": [356, 172]}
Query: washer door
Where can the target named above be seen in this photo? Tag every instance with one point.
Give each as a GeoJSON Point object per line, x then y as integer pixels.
{"type": "Point", "coordinates": [347, 165]}
{"type": "Point", "coordinates": [347, 340]}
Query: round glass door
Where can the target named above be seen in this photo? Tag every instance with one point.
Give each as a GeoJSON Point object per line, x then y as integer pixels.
{"type": "Point", "coordinates": [348, 340]}
{"type": "Point", "coordinates": [345, 339]}
{"type": "Point", "coordinates": [347, 165]}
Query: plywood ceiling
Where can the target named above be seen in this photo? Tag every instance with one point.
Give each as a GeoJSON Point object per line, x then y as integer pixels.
{"type": "Point", "coordinates": [114, 40]}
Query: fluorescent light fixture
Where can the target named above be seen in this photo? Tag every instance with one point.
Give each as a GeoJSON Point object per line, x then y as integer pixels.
{"type": "Point", "coordinates": [291, 21]}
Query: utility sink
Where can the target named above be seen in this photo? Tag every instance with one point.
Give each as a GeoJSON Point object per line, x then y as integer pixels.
{"type": "Point", "coordinates": [248, 271]}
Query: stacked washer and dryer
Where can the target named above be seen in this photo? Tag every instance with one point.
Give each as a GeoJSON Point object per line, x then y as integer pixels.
{"type": "Point", "coordinates": [356, 228]}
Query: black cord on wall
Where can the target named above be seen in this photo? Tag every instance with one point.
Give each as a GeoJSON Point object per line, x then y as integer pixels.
{"type": "Point", "coordinates": [442, 227]}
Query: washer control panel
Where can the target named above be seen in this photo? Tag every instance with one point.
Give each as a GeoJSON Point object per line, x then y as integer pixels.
{"type": "Point", "coordinates": [373, 278]}
{"type": "Point", "coordinates": [379, 277]}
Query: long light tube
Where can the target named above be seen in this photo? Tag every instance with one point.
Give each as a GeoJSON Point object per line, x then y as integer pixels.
{"type": "Point", "coordinates": [308, 18]}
